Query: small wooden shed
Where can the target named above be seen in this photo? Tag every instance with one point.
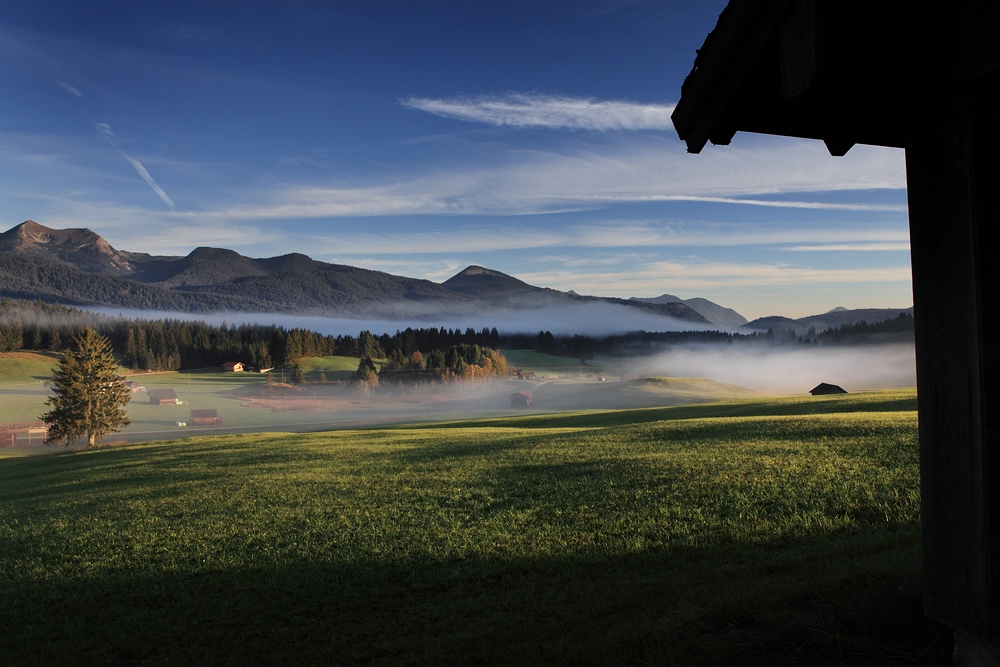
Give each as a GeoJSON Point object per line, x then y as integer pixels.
{"type": "Point", "coordinates": [134, 387]}
{"type": "Point", "coordinates": [206, 417]}
{"type": "Point", "coordinates": [233, 366]}
{"type": "Point", "coordinates": [162, 397]}
{"type": "Point", "coordinates": [823, 389]}
{"type": "Point", "coordinates": [521, 399]}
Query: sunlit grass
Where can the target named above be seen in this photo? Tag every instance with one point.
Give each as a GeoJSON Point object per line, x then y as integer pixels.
{"type": "Point", "coordinates": [782, 531]}
{"type": "Point", "coordinates": [26, 367]}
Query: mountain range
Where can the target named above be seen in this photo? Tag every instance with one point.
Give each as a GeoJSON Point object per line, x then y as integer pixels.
{"type": "Point", "coordinates": [79, 267]}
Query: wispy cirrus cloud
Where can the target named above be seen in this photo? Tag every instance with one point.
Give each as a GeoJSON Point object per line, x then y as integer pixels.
{"type": "Point", "coordinates": [70, 89]}
{"type": "Point", "coordinates": [105, 131]}
{"type": "Point", "coordinates": [483, 238]}
{"type": "Point", "coordinates": [650, 276]}
{"type": "Point", "coordinates": [526, 110]}
{"type": "Point", "coordinates": [599, 176]}
{"type": "Point", "coordinates": [851, 247]}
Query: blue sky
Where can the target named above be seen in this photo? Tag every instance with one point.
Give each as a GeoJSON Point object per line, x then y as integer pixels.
{"type": "Point", "coordinates": [421, 137]}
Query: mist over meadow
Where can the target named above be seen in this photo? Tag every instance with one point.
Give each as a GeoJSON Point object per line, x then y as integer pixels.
{"type": "Point", "coordinates": [779, 369]}
{"type": "Point", "coordinates": [791, 369]}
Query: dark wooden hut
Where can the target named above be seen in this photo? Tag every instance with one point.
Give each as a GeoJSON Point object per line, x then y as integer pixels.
{"type": "Point", "coordinates": [162, 397]}
{"type": "Point", "coordinates": [823, 389]}
{"type": "Point", "coordinates": [521, 399]}
{"type": "Point", "coordinates": [924, 77]}
{"type": "Point", "coordinates": [206, 417]}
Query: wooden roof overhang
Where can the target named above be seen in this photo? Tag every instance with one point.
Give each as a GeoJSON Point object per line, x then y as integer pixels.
{"type": "Point", "coordinates": [843, 71]}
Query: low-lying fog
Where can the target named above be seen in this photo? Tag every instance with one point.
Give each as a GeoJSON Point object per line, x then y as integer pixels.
{"type": "Point", "coordinates": [596, 319]}
{"type": "Point", "coordinates": [773, 369]}
{"type": "Point", "coordinates": [789, 370]}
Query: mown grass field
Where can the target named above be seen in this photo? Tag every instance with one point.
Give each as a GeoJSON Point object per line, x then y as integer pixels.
{"type": "Point", "coordinates": [782, 531]}
{"type": "Point", "coordinates": [26, 367]}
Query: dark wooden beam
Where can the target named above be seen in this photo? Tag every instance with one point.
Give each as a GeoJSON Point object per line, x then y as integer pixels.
{"type": "Point", "coordinates": [952, 175]}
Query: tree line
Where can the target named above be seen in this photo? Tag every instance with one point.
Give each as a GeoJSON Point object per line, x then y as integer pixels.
{"type": "Point", "coordinates": [170, 344]}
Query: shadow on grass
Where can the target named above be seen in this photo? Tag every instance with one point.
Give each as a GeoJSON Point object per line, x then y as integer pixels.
{"type": "Point", "coordinates": [690, 607]}
{"type": "Point", "coordinates": [750, 408]}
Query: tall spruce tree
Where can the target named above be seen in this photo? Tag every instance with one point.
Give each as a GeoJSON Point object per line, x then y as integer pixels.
{"type": "Point", "coordinates": [89, 397]}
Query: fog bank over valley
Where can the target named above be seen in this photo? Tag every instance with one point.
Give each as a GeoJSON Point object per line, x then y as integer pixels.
{"type": "Point", "coordinates": [789, 369]}
{"type": "Point", "coordinates": [591, 319]}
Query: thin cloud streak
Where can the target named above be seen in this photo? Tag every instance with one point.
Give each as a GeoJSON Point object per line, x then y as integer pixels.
{"type": "Point", "coordinates": [70, 89]}
{"type": "Point", "coordinates": [105, 131]}
{"type": "Point", "coordinates": [851, 247]}
{"type": "Point", "coordinates": [821, 206]}
{"type": "Point", "coordinates": [616, 234]}
{"type": "Point", "coordinates": [527, 110]}
{"type": "Point", "coordinates": [149, 179]}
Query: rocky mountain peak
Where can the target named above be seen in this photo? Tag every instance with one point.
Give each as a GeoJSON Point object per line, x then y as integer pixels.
{"type": "Point", "coordinates": [82, 248]}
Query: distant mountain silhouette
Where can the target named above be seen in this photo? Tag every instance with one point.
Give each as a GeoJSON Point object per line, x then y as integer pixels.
{"type": "Point", "coordinates": [713, 312]}
{"type": "Point", "coordinates": [501, 290]}
{"type": "Point", "coordinates": [835, 318]}
{"type": "Point", "coordinates": [483, 283]}
{"type": "Point", "coordinates": [79, 267]}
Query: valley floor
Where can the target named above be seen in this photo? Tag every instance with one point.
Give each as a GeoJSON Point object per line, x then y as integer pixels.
{"type": "Point", "coordinates": [246, 403]}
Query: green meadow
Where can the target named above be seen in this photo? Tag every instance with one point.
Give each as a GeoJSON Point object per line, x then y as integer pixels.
{"type": "Point", "coordinates": [777, 531]}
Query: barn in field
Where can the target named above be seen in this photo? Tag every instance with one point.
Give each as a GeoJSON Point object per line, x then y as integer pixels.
{"type": "Point", "coordinates": [162, 397]}
{"type": "Point", "coordinates": [233, 367]}
{"type": "Point", "coordinates": [521, 399]}
{"type": "Point", "coordinates": [134, 387]}
{"type": "Point", "coordinates": [207, 417]}
{"type": "Point", "coordinates": [823, 389]}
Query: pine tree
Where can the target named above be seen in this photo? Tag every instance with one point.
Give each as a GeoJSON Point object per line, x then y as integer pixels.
{"type": "Point", "coordinates": [89, 396]}
{"type": "Point", "coordinates": [366, 376]}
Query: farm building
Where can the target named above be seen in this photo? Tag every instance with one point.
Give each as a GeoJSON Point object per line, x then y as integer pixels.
{"type": "Point", "coordinates": [521, 399]}
{"type": "Point", "coordinates": [525, 375]}
{"type": "Point", "coordinates": [822, 389]}
{"type": "Point", "coordinates": [207, 417]}
{"type": "Point", "coordinates": [233, 366]}
{"type": "Point", "coordinates": [134, 387]}
{"type": "Point", "coordinates": [162, 397]}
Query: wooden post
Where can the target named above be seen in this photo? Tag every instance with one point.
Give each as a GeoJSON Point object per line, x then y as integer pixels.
{"type": "Point", "coordinates": [953, 179]}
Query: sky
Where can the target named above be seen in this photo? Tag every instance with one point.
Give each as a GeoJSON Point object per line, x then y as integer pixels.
{"type": "Point", "coordinates": [418, 138]}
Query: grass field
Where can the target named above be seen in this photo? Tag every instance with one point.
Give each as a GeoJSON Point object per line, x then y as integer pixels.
{"type": "Point", "coordinates": [335, 368]}
{"type": "Point", "coordinates": [26, 367]}
{"type": "Point", "coordinates": [544, 364]}
{"type": "Point", "coordinates": [782, 531]}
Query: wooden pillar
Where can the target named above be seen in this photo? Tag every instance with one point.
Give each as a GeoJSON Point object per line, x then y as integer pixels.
{"type": "Point", "coordinates": [953, 182]}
